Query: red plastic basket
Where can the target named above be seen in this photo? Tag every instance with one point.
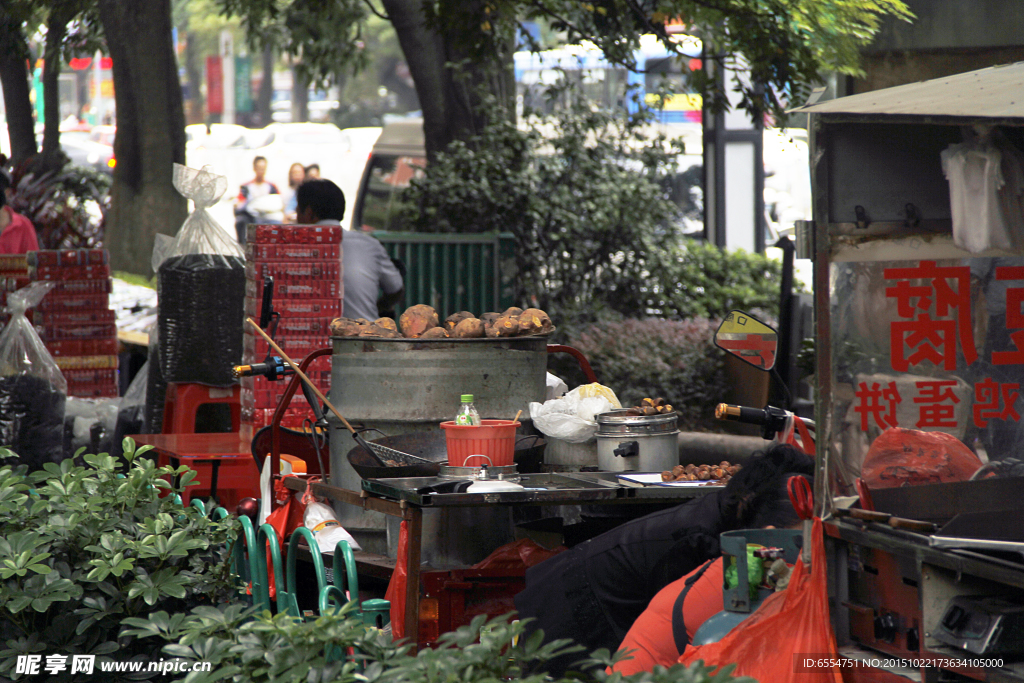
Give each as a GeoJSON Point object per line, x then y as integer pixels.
{"type": "Point", "coordinates": [494, 438]}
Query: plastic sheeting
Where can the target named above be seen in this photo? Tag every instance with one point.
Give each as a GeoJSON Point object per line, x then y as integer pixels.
{"type": "Point", "coordinates": [33, 392]}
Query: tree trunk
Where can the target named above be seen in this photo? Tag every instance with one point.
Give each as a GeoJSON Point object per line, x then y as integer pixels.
{"type": "Point", "coordinates": [265, 97]}
{"type": "Point", "coordinates": [150, 130]}
{"type": "Point", "coordinates": [14, 79]}
{"type": "Point", "coordinates": [56, 29]}
{"type": "Point", "coordinates": [300, 97]}
{"type": "Point", "coordinates": [447, 74]}
{"type": "Point", "coordinates": [424, 53]}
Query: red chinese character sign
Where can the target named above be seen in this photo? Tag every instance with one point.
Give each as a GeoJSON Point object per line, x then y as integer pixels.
{"type": "Point", "coordinates": [954, 357]}
{"type": "Point", "coordinates": [922, 337]}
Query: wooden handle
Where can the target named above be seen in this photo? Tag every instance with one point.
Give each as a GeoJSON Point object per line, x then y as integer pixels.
{"type": "Point", "coordinates": [912, 525]}
{"type": "Point", "coordinates": [865, 515]}
{"type": "Point", "coordinates": [300, 373]}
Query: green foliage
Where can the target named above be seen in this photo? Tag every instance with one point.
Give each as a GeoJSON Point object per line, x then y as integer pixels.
{"type": "Point", "coordinates": [692, 278]}
{"type": "Point", "coordinates": [324, 37]}
{"type": "Point", "coordinates": [583, 199]}
{"type": "Point", "coordinates": [67, 206]}
{"type": "Point", "coordinates": [253, 648]}
{"type": "Point", "coordinates": [784, 44]}
{"type": "Point", "coordinates": [675, 360]}
{"type": "Point", "coordinates": [597, 233]}
{"type": "Point", "coordinates": [84, 547]}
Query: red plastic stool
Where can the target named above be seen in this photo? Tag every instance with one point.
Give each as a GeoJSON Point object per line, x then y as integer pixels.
{"type": "Point", "coordinates": [183, 400]}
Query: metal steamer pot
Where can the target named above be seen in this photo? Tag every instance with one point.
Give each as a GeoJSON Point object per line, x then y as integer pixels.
{"type": "Point", "coordinates": [645, 443]}
{"type": "Point", "coordinates": [401, 386]}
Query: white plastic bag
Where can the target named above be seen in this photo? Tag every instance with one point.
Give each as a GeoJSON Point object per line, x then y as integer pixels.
{"type": "Point", "coordinates": [200, 233]}
{"type": "Point", "coordinates": [556, 387]}
{"type": "Point", "coordinates": [327, 530]}
{"type": "Point", "coordinates": [572, 418]}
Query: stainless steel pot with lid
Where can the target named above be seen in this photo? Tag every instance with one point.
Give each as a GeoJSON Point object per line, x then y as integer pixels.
{"type": "Point", "coordinates": [645, 443]}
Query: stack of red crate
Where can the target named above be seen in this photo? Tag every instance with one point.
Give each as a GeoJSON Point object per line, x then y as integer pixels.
{"type": "Point", "coordinates": [305, 262]}
{"type": "Point", "coordinates": [74, 319]}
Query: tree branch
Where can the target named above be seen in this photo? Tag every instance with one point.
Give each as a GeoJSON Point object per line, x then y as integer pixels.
{"type": "Point", "coordinates": [369, 3]}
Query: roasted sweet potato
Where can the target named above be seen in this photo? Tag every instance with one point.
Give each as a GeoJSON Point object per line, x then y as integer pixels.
{"type": "Point", "coordinates": [534, 321]}
{"type": "Point", "coordinates": [506, 326]}
{"type": "Point", "coordinates": [435, 333]}
{"type": "Point", "coordinates": [345, 327]}
{"type": "Point", "coordinates": [490, 317]}
{"type": "Point", "coordinates": [387, 323]}
{"type": "Point", "coordinates": [374, 330]}
{"type": "Point", "coordinates": [469, 328]}
{"type": "Point", "coordinates": [452, 321]}
{"type": "Point", "coordinates": [417, 320]}
{"type": "Point", "coordinates": [667, 476]}
{"type": "Point", "coordinates": [513, 311]}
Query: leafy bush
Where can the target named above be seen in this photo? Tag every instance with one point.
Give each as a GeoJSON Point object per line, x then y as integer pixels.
{"type": "Point", "coordinates": [287, 650]}
{"type": "Point", "coordinates": [588, 196]}
{"type": "Point", "coordinates": [82, 548]}
{"type": "Point", "coordinates": [675, 360]}
{"type": "Point", "coordinates": [67, 206]}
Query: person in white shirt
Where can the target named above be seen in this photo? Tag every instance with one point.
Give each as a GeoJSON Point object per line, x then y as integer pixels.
{"type": "Point", "coordinates": [250, 192]}
{"type": "Point", "coordinates": [366, 267]}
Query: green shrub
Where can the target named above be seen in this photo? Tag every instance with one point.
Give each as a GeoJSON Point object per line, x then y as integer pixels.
{"type": "Point", "coordinates": [82, 548]}
{"type": "Point", "coordinates": [587, 196]}
{"type": "Point", "coordinates": [249, 648]}
{"type": "Point", "coordinates": [67, 205]}
{"type": "Point", "coordinates": [675, 360]}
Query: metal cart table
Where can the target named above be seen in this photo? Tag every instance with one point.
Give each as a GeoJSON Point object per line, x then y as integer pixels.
{"type": "Point", "coordinates": [407, 498]}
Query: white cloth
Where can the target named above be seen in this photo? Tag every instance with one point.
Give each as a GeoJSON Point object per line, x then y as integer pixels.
{"type": "Point", "coordinates": [976, 181]}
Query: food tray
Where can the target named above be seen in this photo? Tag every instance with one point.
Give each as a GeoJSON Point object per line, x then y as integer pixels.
{"type": "Point", "coordinates": [654, 479]}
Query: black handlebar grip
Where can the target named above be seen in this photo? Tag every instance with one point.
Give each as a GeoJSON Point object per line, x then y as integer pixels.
{"type": "Point", "coordinates": [727, 411]}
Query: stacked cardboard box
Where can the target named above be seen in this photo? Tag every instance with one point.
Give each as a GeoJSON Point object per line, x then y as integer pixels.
{"type": "Point", "coordinates": [74, 319]}
{"type": "Point", "coordinates": [305, 263]}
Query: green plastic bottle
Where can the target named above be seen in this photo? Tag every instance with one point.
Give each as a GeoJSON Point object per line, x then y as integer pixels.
{"type": "Point", "coordinates": [467, 414]}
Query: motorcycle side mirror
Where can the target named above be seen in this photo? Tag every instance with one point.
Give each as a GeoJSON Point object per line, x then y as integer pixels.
{"type": "Point", "coordinates": [749, 339]}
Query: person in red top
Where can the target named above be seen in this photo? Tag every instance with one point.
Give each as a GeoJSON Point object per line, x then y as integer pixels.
{"type": "Point", "coordinates": [17, 234]}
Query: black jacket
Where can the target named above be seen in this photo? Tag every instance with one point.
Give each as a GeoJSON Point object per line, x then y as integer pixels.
{"type": "Point", "coordinates": [594, 592]}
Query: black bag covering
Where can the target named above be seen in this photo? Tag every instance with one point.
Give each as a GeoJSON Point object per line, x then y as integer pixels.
{"type": "Point", "coordinates": [202, 309]}
{"type": "Point", "coordinates": [201, 285]}
{"type": "Point", "coordinates": [33, 390]}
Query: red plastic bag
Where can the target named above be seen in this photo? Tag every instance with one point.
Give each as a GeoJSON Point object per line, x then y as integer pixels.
{"type": "Point", "coordinates": [909, 457]}
{"type": "Point", "coordinates": [396, 588]}
{"type": "Point", "coordinates": [521, 554]}
{"type": "Point", "coordinates": [788, 627]}
{"type": "Point", "coordinates": [285, 520]}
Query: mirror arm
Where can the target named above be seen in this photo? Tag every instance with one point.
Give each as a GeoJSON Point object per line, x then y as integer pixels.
{"type": "Point", "coordinates": [788, 396]}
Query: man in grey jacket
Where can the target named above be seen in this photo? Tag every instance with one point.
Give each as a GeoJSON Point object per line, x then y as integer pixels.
{"type": "Point", "coordinates": [367, 270]}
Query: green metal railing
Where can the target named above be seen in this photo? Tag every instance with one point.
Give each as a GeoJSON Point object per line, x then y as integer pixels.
{"type": "Point", "coordinates": [455, 272]}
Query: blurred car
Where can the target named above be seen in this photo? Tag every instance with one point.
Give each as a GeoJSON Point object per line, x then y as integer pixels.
{"type": "Point", "coordinates": [103, 135]}
{"type": "Point", "coordinates": [84, 152]}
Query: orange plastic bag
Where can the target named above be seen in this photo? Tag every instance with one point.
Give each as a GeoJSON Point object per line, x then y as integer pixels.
{"type": "Point", "coordinates": [396, 588]}
{"type": "Point", "coordinates": [788, 628]}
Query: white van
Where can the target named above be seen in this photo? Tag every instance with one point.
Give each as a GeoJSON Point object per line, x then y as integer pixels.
{"type": "Point", "coordinates": [398, 156]}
